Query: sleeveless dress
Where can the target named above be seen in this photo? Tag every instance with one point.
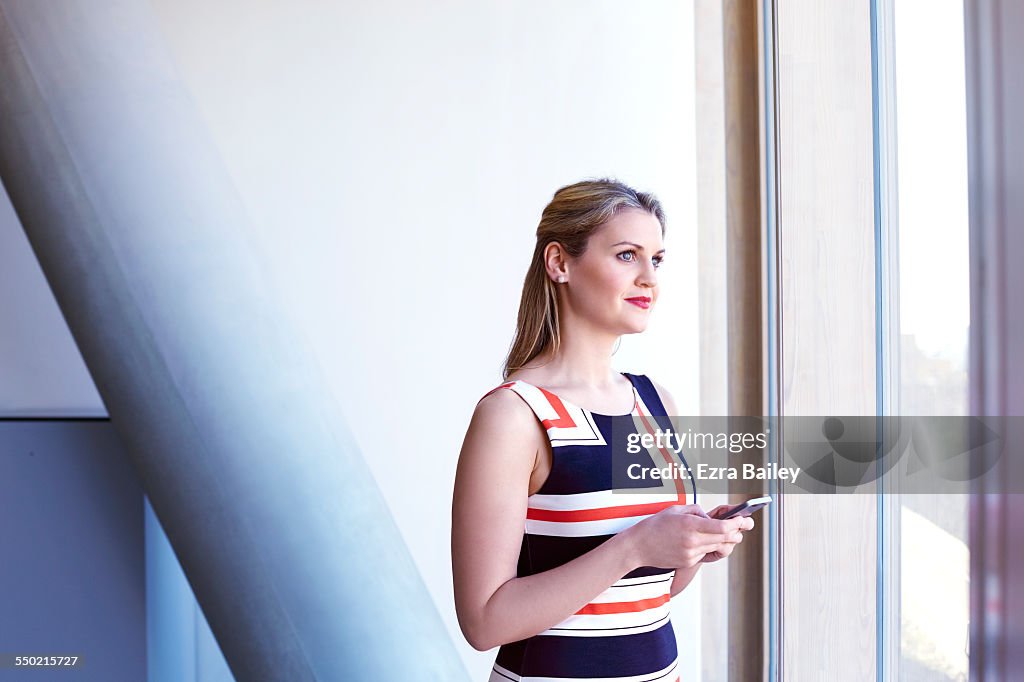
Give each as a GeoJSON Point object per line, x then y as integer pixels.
{"type": "Point", "coordinates": [624, 634]}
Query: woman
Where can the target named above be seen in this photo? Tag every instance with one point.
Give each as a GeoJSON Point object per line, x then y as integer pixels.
{"type": "Point", "coordinates": [584, 591]}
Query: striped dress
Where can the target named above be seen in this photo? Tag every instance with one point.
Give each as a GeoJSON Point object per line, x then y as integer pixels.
{"type": "Point", "coordinates": [624, 634]}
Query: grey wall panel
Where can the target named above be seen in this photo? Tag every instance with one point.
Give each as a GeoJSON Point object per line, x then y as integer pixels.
{"type": "Point", "coordinates": [72, 566]}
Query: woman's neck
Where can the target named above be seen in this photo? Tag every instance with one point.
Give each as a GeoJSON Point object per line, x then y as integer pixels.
{"type": "Point", "coordinates": [583, 363]}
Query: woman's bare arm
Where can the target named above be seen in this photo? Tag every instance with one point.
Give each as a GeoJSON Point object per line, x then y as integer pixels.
{"type": "Point", "coordinates": [488, 516]}
{"type": "Point", "coordinates": [682, 579]}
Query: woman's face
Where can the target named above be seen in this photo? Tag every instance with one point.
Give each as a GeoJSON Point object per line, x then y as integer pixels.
{"type": "Point", "coordinates": [614, 284]}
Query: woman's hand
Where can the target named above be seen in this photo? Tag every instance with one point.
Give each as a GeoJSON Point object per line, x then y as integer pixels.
{"type": "Point", "coordinates": [684, 536]}
{"type": "Point", "coordinates": [715, 556]}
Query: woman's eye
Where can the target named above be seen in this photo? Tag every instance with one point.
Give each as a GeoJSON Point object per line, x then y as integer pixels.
{"type": "Point", "coordinates": [630, 257]}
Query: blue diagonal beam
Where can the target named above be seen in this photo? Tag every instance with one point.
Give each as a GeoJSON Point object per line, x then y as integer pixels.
{"type": "Point", "coordinates": [279, 526]}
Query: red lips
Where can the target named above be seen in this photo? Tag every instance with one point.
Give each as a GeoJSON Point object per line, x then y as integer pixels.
{"type": "Point", "coordinates": [641, 301]}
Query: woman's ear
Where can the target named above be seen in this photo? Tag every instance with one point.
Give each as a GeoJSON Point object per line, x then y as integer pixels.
{"type": "Point", "coordinates": [556, 262]}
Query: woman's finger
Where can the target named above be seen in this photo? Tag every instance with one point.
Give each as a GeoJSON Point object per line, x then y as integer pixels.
{"type": "Point", "coordinates": [694, 509]}
{"type": "Point", "coordinates": [710, 526]}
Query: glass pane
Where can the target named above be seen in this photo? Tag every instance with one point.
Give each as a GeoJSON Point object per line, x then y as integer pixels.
{"type": "Point", "coordinates": [934, 317]}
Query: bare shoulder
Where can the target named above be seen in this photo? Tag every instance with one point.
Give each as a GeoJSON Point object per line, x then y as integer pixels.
{"type": "Point", "coordinates": [504, 422]}
{"type": "Point", "coordinates": [666, 398]}
{"type": "Point", "coordinates": [503, 409]}
{"type": "Point", "coordinates": [499, 455]}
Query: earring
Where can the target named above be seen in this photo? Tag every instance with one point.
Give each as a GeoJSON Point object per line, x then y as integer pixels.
{"type": "Point", "coordinates": [561, 279]}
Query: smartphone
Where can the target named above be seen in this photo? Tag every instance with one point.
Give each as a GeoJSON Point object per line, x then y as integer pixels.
{"type": "Point", "coordinates": [745, 508]}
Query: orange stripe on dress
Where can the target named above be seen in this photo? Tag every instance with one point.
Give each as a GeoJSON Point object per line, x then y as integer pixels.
{"type": "Point", "coordinates": [508, 385]}
{"type": "Point", "coordinates": [680, 488]}
{"type": "Point", "coordinates": [597, 514]}
{"type": "Point", "coordinates": [622, 606]}
{"type": "Point", "coordinates": [564, 421]}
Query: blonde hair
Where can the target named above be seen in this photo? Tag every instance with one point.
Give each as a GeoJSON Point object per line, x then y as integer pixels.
{"type": "Point", "coordinates": [573, 215]}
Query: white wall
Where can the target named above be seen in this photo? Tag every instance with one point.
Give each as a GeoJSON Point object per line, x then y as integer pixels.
{"type": "Point", "coordinates": [395, 158]}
